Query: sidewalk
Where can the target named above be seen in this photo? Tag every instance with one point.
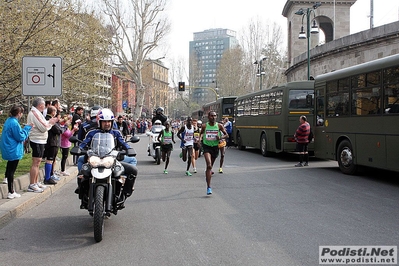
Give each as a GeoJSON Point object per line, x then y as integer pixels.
{"type": "Point", "coordinates": [13, 208]}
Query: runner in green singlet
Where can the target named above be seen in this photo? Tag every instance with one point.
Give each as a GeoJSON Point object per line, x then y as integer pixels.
{"type": "Point", "coordinates": [211, 133]}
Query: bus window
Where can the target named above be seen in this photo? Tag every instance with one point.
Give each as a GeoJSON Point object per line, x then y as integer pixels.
{"type": "Point", "coordinates": [300, 99]}
{"type": "Point", "coordinates": [391, 99]}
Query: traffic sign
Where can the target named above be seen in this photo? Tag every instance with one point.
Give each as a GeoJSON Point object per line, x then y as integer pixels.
{"type": "Point", "coordinates": [41, 76]}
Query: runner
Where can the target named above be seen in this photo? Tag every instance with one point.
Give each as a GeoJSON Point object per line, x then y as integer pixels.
{"type": "Point", "coordinates": [166, 137]}
{"type": "Point", "coordinates": [188, 141]}
{"type": "Point", "coordinates": [211, 134]}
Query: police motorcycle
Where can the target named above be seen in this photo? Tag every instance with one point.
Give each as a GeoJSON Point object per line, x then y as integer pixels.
{"type": "Point", "coordinates": [154, 146]}
{"type": "Point", "coordinates": [103, 178]}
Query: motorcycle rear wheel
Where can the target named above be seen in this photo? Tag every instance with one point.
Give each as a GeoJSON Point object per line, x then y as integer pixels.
{"type": "Point", "coordinates": [99, 214]}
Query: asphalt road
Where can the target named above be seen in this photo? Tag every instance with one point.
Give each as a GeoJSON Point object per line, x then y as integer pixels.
{"type": "Point", "coordinates": [263, 211]}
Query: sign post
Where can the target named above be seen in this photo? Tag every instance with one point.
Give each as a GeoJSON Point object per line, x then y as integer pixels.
{"type": "Point", "coordinates": [41, 76]}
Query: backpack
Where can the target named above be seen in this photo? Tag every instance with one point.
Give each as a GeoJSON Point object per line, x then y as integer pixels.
{"type": "Point", "coordinates": [310, 136]}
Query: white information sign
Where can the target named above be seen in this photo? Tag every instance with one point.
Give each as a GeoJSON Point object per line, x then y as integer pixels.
{"type": "Point", "coordinates": [41, 76]}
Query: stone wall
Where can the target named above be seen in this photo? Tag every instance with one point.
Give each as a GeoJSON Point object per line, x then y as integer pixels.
{"type": "Point", "coordinates": [347, 51]}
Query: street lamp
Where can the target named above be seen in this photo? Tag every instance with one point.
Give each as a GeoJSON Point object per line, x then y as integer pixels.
{"type": "Point", "coordinates": [261, 71]}
{"type": "Point", "coordinates": [216, 89]}
{"type": "Point", "coordinates": [314, 30]}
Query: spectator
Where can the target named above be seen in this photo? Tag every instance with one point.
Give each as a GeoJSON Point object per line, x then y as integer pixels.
{"type": "Point", "coordinates": [38, 140]}
{"type": "Point", "coordinates": [122, 126]}
{"type": "Point", "coordinates": [12, 148]}
{"type": "Point", "coordinates": [47, 104]}
{"type": "Point", "coordinates": [133, 127]}
{"type": "Point", "coordinates": [56, 103]}
{"type": "Point", "coordinates": [301, 137]}
{"type": "Point", "coordinates": [77, 117]}
{"type": "Point", "coordinates": [65, 144]}
{"type": "Point", "coordinates": [51, 148]}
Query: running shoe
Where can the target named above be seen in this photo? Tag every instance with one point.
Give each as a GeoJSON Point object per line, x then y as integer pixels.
{"type": "Point", "coordinates": [299, 165]}
{"type": "Point", "coordinates": [34, 188]}
{"type": "Point", "coordinates": [65, 173]}
{"type": "Point", "coordinates": [55, 178]}
{"type": "Point", "coordinates": [50, 182]}
{"type": "Point", "coordinates": [181, 155]}
{"type": "Point", "coordinates": [209, 191]}
{"type": "Point", "coordinates": [188, 173]}
{"type": "Point", "coordinates": [306, 164]}
{"type": "Point", "coordinates": [194, 170]}
{"type": "Point", "coordinates": [40, 185]}
{"type": "Point", "coordinates": [13, 195]}
{"type": "Point", "coordinates": [220, 170]}
{"type": "Point", "coordinates": [165, 172]}
{"type": "Point", "coordinates": [5, 180]}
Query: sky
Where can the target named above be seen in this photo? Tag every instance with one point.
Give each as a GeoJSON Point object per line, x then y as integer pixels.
{"type": "Point", "coordinates": [189, 16]}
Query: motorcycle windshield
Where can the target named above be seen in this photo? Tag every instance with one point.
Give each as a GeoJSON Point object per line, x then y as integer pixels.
{"type": "Point", "coordinates": [102, 144]}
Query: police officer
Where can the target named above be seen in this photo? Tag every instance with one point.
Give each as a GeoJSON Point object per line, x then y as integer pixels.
{"type": "Point", "coordinates": [159, 116]}
{"type": "Point", "coordinates": [105, 124]}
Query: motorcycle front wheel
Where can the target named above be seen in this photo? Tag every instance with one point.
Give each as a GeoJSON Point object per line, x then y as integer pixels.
{"type": "Point", "coordinates": [99, 214]}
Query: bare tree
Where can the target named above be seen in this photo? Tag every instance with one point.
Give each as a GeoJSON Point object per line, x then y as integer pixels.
{"type": "Point", "coordinates": [252, 41]}
{"type": "Point", "coordinates": [231, 74]}
{"type": "Point", "coordinates": [138, 27]}
{"type": "Point", "coordinates": [260, 41]}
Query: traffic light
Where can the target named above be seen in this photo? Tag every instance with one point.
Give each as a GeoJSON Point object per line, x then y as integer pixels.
{"type": "Point", "coordinates": [182, 86]}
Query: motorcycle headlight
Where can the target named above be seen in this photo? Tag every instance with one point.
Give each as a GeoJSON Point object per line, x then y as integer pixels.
{"type": "Point", "coordinates": [96, 161]}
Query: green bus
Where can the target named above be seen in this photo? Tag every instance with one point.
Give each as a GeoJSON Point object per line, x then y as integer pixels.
{"type": "Point", "coordinates": [197, 114]}
{"type": "Point", "coordinates": [357, 115]}
{"type": "Point", "coordinates": [224, 107]}
{"type": "Point", "coordinates": [267, 119]}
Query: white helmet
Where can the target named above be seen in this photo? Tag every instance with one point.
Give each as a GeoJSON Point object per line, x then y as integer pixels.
{"type": "Point", "coordinates": [94, 111]}
{"type": "Point", "coordinates": [157, 122]}
{"type": "Point", "coordinates": [105, 115]}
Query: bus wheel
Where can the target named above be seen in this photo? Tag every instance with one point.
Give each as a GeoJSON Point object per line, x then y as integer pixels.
{"type": "Point", "coordinates": [239, 142]}
{"type": "Point", "coordinates": [345, 157]}
{"type": "Point", "coordinates": [263, 145]}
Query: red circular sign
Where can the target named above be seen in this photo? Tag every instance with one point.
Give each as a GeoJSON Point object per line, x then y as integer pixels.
{"type": "Point", "coordinates": [35, 79]}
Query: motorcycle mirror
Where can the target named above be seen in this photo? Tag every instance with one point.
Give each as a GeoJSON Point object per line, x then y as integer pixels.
{"type": "Point", "coordinates": [134, 139]}
{"type": "Point", "coordinates": [74, 139]}
{"type": "Point", "coordinates": [77, 151]}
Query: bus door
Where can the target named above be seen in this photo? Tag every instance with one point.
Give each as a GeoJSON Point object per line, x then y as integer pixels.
{"type": "Point", "coordinates": [324, 146]}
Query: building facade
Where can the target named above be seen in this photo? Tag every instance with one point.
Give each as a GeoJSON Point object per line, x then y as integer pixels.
{"type": "Point", "coordinates": [206, 51]}
{"type": "Point", "coordinates": [123, 95]}
{"type": "Point", "coordinates": [155, 79]}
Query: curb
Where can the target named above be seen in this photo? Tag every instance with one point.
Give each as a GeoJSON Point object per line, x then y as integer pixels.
{"type": "Point", "coordinates": [13, 208]}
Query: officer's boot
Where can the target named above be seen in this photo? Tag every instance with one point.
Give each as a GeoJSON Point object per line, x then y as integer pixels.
{"type": "Point", "coordinates": [128, 187]}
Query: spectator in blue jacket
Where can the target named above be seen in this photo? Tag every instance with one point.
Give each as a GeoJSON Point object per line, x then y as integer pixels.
{"type": "Point", "coordinates": [12, 146]}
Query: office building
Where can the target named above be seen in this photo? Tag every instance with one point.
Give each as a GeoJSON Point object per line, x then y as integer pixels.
{"type": "Point", "coordinates": [206, 51]}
